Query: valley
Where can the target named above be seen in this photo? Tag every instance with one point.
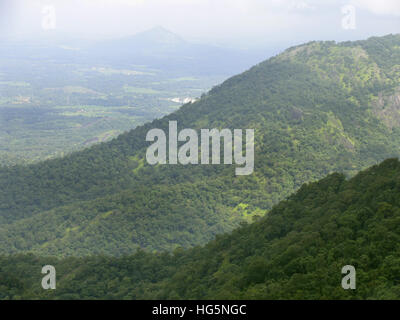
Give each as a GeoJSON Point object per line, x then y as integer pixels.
{"type": "Point", "coordinates": [49, 116]}
{"type": "Point", "coordinates": [54, 100]}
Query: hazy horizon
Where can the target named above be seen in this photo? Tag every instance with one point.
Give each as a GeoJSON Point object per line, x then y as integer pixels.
{"type": "Point", "coordinates": [237, 23]}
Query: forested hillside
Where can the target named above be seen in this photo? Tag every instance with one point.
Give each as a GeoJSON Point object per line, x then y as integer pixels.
{"type": "Point", "coordinates": [297, 251]}
{"type": "Point", "coordinates": [316, 108]}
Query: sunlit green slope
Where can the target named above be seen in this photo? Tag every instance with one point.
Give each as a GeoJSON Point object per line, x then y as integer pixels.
{"type": "Point", "coordinates": [316, 108]}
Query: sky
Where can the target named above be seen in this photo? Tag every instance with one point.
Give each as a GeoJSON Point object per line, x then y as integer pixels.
{"type": "Point", "coordinates": [222, 22]}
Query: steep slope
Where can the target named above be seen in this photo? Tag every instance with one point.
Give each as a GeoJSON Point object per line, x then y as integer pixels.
{"type": "Point", "coordinates": [296, 252]}
{"type": "Point", "coordinates": [316, 108]}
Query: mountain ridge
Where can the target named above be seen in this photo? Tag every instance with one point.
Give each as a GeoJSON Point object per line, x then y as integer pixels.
{"type": "Point", "coordinates": [314, 111]}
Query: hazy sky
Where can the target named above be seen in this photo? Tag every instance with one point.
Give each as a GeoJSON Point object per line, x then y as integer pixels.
{"type": "Point", "coordinates": [246, 22]}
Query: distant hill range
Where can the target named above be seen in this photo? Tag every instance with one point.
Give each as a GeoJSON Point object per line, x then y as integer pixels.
{"type": "Point", "coordinates": [160, 48]}
{"type": "Point", "coordinates": [156, 48]}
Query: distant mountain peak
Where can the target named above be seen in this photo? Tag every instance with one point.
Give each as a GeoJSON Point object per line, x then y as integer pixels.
{"type": "Point", "coordinates": [159, 29]}
{"type": "Point", "coordinates": [160, 35]}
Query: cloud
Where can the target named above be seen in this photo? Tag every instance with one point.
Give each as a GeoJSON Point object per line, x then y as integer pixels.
{"type": "Point", "coordinates": [380, 7]}
{"type": "Point", "coordinates": [134, 3]}
{"type": "Point", "coordinates": [116, 2]}
{"type": "Point", "coordinates": [301, 5]}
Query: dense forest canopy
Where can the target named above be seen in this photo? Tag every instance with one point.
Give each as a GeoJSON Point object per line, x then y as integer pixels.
{"type": "Point", "coordinates": [317, 108]}
{"type": "Point", "coordinates": [297, 251]}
